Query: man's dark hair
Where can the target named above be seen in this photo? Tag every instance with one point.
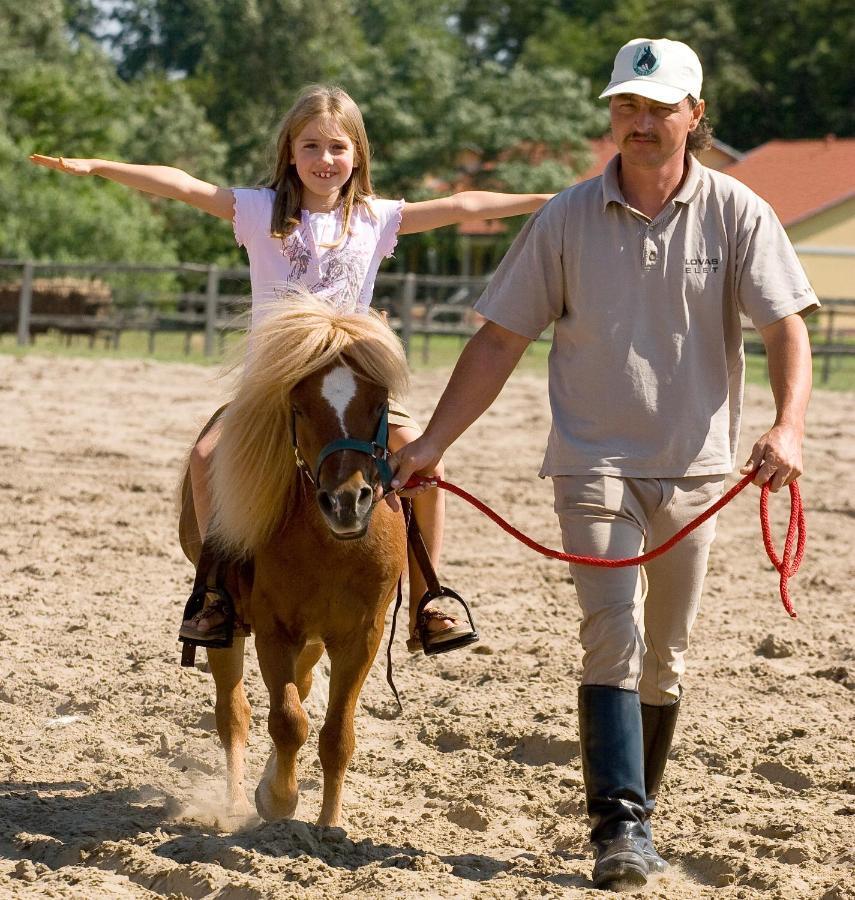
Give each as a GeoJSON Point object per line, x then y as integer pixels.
{"type": "Point", "coordinates": [701, 138]}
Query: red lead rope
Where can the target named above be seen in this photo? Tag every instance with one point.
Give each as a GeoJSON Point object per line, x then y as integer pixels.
{"type": "Point", "coordinates": [786, 566]}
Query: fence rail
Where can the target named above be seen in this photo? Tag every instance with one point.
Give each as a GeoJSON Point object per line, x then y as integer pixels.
{"type": "Point", "coordinates": [191, 298]}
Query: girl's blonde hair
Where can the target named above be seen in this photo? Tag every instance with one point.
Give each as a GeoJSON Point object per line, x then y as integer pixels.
{"type": "Point", "coordinates": [323, 102]}
{"type": "Point", "coordinates": [254, 473]}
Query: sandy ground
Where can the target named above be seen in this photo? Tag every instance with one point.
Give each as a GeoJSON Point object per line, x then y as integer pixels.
{"type": "Point", "coordinates": [111, 771]}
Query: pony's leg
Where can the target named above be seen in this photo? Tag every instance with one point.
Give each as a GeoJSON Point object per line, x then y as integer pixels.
{"type": "Point", "coordinates": [349, 664]}
{"type": "Point", "coordinates": [232, 713]}
{"type": "Point", "coordinates": [276, 795]}
{"type": "Point", "coordinates": [305, 663]}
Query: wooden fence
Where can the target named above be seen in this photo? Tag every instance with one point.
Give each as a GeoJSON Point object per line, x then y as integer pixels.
{"type": "Point", "coordinates": [203, 299]}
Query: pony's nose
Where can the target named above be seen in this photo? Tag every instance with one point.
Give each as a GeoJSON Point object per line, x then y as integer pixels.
{"type": "Point", "coordinates": [365, 499]}
{"type": "Point", "coordinates": [346, 505]}
{"type": "Point", "coordinates": [325, 502]}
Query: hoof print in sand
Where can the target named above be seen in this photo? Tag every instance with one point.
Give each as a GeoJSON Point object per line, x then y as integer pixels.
{"type": "Point", "coordinates": [772, 647]}
{"type": "Point", "coordinates": [466, 815]}
{"type": "Point", "coordinates": [781, 774]}
{"type": "Point", "coordinates": [541, 749]}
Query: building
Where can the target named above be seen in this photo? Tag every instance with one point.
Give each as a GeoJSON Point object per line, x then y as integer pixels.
{"type": "Point", "coordinates": [811, 186]}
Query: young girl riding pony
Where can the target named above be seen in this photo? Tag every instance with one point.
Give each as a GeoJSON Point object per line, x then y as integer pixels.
{"type": "Point", "coordinates": [318, 225]}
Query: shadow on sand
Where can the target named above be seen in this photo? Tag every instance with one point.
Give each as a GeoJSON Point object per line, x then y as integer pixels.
{"type": "Point", "coordinates": [59, 823]}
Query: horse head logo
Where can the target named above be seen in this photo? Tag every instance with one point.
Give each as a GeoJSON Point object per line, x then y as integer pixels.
{"type": "Point", "coordinates": [646, 62]}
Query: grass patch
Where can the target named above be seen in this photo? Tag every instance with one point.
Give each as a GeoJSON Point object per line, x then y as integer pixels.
{"type": "Point", "coordinates": [437, 352]}
{"type": "Point", "coordinates": [169, 346]}
{"type": "Point", "coordinates": [836, 373]}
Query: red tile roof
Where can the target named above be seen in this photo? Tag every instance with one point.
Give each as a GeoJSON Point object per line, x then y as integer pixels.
{"type": "Point", "coordinates": [799, 178]}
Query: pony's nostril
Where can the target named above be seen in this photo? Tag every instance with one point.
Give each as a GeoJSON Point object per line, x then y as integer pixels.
{"type": "Point", "coordinates": [366, 495]}
{"type": "Point", "coordinates": [325, 502]}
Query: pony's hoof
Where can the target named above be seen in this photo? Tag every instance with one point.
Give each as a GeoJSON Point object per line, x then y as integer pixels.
{"type": "Point", "coordinates": [331, 821]}
{"type": "Point", "coordinates": [272, 808]}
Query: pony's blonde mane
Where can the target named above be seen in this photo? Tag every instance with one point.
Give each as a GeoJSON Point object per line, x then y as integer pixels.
{"type": "Point", "coordinates": [254, 484]}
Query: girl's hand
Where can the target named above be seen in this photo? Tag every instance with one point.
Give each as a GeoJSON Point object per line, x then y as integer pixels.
{"type": "Point", "coordinates": [63, 164]}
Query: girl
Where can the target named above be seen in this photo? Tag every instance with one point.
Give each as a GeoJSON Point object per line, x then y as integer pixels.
{"type": "Point", "coordinates": [318, 225]}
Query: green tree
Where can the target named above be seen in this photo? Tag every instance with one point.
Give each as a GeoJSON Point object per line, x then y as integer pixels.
{"type": "Point", "coordinates": [244, 60]}
{"type": "Point", "coordinates": [60, 94]}
{"type": "Point", "coordinates": [779, 70]}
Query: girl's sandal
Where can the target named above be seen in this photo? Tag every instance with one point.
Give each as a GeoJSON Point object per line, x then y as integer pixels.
{"type": "Point", "coordinates": [458, 633]}
{"type": "Point", "coordinates": [203, 605]}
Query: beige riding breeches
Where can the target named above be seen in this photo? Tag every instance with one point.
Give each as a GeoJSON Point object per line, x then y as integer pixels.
{"type": "Point", "coordinates": [636, 620]}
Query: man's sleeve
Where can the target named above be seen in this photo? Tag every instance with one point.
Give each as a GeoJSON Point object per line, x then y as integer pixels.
{"type": "Point", "coordinates": [526, 292]}
{"type": "Point", "coordinates": [770, 280]}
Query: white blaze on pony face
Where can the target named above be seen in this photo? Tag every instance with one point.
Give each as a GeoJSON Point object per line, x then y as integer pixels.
{"type": "Point", "coordinates": [338, 389]}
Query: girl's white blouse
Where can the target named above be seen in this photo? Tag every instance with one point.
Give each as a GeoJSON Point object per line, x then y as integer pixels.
{"type": "Point", "coordinates": [343, 275]}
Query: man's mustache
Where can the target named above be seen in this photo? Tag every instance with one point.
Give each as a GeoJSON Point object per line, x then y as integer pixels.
{"type": "Point", "coordinates": [637, 135]}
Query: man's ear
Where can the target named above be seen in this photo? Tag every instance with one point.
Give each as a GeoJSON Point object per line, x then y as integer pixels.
{"type": "Point", "coordinates": [697, 114]}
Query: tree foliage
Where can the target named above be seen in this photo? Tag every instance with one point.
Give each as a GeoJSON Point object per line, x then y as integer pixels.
{"type": "Point", "coordinates": [202, 84]}
{"type": "Point", "coordinates": [781, 70]}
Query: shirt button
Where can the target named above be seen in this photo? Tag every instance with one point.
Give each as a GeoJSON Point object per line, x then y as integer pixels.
{"type": "Point", "coordinates": [652, 256]}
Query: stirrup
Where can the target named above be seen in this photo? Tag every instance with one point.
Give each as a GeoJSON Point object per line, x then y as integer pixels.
{"type": "Point", "coordinates": [224, 636]}
{"type": "Point", "coordinates": [452, 643]}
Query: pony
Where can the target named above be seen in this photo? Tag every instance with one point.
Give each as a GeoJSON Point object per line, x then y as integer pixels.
{"type": "Point", "coordinates": [314, 555]}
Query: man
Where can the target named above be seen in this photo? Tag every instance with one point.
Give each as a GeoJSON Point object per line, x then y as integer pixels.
{"type": "Point", "coordinates": [644, 272]}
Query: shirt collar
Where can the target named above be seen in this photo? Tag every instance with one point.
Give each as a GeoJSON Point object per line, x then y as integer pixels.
{"type": "Point", "coordinates": [688, 190]}
{"type": "Point", "coordinates": [692, 181]}
{"type": "Point", "coordinates": [611, 185]}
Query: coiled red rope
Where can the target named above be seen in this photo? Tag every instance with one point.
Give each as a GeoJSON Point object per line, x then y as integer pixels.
{"type": "Point", "coordinates": [787, 565]}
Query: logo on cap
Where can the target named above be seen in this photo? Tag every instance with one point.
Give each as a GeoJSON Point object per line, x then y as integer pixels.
{"type": "Point", "coordinates": [645, 61]}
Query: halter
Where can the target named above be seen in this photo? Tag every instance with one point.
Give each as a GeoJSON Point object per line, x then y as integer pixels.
{"type": "Point", "coordinates": [377, 449]}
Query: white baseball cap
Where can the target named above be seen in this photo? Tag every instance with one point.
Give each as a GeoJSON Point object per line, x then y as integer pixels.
{"type": "Point", "coordinates": [663, 70]}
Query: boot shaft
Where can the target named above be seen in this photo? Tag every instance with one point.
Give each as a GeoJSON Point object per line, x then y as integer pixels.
{"type": "Point", "coordinates": [610, 737]}
{"type": "Point", "coordinates": [658, 724]}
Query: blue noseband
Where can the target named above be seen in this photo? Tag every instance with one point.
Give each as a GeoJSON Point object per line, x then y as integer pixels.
{"type": "Point", "coordinates": [377, 449]}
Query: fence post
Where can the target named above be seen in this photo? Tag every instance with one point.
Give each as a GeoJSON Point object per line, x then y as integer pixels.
{"type": "Point", "coordinates": [408, 298]}
{"type": "Point", "coordinates": [25, 303]}
{"type": "Point", "coordinates": [829, 340]}
{"type": "Point", "coordinates": [212, 296]}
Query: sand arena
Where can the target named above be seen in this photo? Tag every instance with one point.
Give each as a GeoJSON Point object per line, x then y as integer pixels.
{"type": "Point", "coordinates": [111, 769]}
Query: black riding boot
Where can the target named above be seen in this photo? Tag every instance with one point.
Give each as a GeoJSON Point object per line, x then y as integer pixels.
{"type": "Point", "coordinates": [658, 726]}
{"type": "Point", "coordinates": [610, 736]}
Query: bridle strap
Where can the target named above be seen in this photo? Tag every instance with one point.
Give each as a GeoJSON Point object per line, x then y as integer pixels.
{"type": "Point", "coordinates": [377, 449]}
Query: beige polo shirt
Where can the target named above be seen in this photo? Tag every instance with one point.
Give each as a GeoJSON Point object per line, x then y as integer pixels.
{"type": "Point", "coordinates": [646, 367]}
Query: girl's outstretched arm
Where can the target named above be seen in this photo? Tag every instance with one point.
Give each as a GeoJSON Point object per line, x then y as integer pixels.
{"type": "Point", "coordinates": [467, 206]}
{"type": "Point", "coordinates": [162, 181]}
